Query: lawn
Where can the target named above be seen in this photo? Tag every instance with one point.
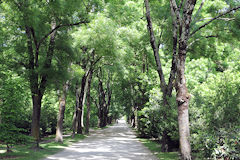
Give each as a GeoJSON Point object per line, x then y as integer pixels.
{"type": "Point", "coordinates": [48, 147]}
{"type": "Point", "coordinates": [156, 149]}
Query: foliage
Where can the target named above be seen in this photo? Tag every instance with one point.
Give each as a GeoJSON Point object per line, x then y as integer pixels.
{"type": "Point", "coordinates": [48, 122]}
{"type": "Point", "coordinates": [14, 103]}
{"type": "Point", "coordinates": [216, 105]}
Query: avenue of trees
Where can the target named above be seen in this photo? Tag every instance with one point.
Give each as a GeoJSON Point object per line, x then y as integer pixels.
{"type": "Point", "coordinates": [171, 67]}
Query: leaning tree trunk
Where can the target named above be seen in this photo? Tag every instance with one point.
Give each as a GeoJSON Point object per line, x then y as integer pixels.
{"type": "Point", "coordinates": [88, 102]}
{"type": "Point", "coordinates": [62, 103]}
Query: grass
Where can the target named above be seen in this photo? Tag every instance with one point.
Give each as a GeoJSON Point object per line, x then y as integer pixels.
{"type": "Point", "coordinates": [156, 148]}
{"type": "Point", "coordinates": [48, 147]}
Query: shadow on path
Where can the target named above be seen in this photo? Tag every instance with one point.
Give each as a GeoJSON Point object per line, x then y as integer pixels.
{"type": "Point", "coordinates": [117, 142]}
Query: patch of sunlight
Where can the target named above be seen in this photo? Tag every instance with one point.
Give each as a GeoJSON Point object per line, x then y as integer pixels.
{"type": "Point", "coordinates": [3, 151]}
{"type": "Point", "coordinates": [56, 146]}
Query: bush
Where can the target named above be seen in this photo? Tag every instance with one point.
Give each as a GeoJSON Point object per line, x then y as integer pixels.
{"type": "Point", "coordinates": [215, 117]}
{"type": "Point", "coordinates": [155, 119]}
{"type": "Point", "coordinates": [11, 135]}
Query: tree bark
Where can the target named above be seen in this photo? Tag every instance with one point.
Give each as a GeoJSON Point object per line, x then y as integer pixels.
{"type": "Point", "coordinates": [82, 98]}
{"type": "Point", "coordinates": [74, 123]}
{"type": "Point", "coordinates": [102, 102]}
{"type": "Point", "coordinates": [88, 102]}
{"type": "Point", "coordinates": [183, 22]}
{"type": "Point", "coordinates": [35, 127]}
{"type": "Point", "coordinates": [183, 99]}
{"type": "Point", "coordinates": [62, 104]}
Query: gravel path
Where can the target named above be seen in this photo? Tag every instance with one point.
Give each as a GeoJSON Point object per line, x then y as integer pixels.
{"type": "Point", "coordinates": [116, 142]}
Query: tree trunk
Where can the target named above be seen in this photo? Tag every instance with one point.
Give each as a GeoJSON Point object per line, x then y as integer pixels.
{"type": "Point", "coordinates": [183, 99]}
{"type": "Point", "coordinates": [62, 104]}
{"type": "Point", "coordinates": [164, 147]}
{"type": "Point", "coordinates": [35, 127]}
{"type": "Point", "coordinates": [0, 118]}
{"type": "Point", "coordinates": [74, 123]}
{"type": "Point", "coordinates": [38, 87]}
{"type": "Point", "coordinates": [136, 117]}
{"type": "Point", "coordinates": [82, 98]}
{"type": "Point", "coordinates": [79, 121]}
{"type": "Point", "coordinates": [183, 22]}
{"type": "Point", "coordinates": [100, 117]}
{"type": "Point", "coordinates": [102, 103]}
{"type": "Point", "coordinates": [88, 102]}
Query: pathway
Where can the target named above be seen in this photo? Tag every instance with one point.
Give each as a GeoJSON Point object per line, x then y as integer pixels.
{"type": "Point", "coordinates": [116, 142]}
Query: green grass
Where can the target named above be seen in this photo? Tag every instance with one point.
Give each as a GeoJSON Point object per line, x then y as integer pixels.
{"type": "Point", "coordinates": [156, 149]}
{"type": "Point", "coordinates": [48, 147]}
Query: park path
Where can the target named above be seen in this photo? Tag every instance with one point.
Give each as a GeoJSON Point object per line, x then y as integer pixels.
{"type": "Point", "coordinates": [116, 142]}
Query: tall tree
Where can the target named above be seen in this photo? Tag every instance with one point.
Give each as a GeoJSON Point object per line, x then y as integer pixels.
{"type": "Point", "coordinates": [181, 19]}
{"type": "Point", "coordinates": [39, 40]}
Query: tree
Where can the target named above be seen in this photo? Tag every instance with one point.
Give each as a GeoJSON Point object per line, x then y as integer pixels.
{"type": "Point", "coordinates": [62, 104]}
{"type": "Point", "coordinates": [39, 40]}
{"type": "Point", "coordinates": [182, 18]}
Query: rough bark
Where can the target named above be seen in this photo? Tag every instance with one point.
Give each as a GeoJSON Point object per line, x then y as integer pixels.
{"type": "Point", "coordinates": [62, 104]}
{"type": "Point", "coordinates": [183, 97]}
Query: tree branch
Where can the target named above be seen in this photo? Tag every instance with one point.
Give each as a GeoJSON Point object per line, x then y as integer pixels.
{"type": "Point", "coordinates": [60, 26]}
{"type": "Point", "coordinates": [217, 17]}
{"type": "Point", "coordinates": [175, 10]}
{"type": "Point", "coordinates": [224, 19]}
{"type": "Point", "coordinates": [36, 45]}
{"type": "Point", "coordinates": [211, 36]}
{"type": "Point", "coordinates": [155, 47]}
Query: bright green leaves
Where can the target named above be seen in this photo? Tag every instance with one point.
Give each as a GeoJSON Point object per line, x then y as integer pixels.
{"type": "Point", "coordinates": [216, 107]}
{"type": "Point", "coordinates": [14, 108]}
{"type": "Point", "coordinates": [124, 12]}
{"type": "Point", "coordinates": [99, 35]}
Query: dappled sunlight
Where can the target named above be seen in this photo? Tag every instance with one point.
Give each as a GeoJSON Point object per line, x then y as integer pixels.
{"type": "Point", "coordinates": [115, 142]}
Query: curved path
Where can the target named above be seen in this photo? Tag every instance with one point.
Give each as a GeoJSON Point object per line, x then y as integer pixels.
{"type": "Point", "coordinates": [116, 142]}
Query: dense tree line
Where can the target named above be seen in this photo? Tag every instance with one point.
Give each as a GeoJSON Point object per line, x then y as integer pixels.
{"type": "Point", "coordinates": [171, 67]}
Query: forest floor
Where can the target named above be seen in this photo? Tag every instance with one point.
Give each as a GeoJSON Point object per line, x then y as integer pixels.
{"type": "Point", "coordinates": [117, 142]}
